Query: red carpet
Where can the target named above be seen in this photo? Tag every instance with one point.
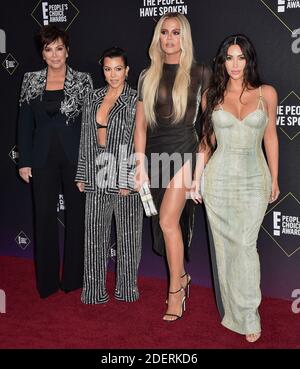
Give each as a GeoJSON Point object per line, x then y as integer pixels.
{"type": "Point", "coordinates": [62, 321]}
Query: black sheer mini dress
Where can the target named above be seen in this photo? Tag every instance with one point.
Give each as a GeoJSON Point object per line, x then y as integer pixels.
{"type": "Point", "coordinates": [170, 145]}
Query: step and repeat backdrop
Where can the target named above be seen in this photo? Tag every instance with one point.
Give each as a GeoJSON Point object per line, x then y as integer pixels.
{"type": "Point", "coordinates": [93, 26]}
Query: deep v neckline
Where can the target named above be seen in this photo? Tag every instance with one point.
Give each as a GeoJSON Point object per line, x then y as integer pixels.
{"type": "Point", "coordinates": [109, 112]}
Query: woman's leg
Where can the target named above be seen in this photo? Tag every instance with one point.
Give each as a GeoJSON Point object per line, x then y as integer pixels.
{"type": "Point", "coordinates": [72, 277]}
{"type": "Point", "coordinates": [169, 216]}
{"type": "Point", "coordinates": [98, 217]}
{"type": "Point", "coordinates": [46, 184]}
{"type": "Point", "coordinates": [129, 221]}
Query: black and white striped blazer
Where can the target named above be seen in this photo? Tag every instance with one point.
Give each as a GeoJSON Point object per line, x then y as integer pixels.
{"type": "Point", "coordinates": [119, 142]}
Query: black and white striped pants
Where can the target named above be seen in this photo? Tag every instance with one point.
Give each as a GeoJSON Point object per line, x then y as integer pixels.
{"type": "Point", "coordinates": [128, 212]}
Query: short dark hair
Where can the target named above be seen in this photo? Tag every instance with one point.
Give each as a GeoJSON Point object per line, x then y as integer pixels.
{"type": "Point", "coordinates": [115, 52]}
{"type": "Point", "coordinates": [49, 34]}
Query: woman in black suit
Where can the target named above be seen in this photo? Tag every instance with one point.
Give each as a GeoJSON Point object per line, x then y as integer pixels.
{"type": "Point", "coordinates": [48, 139]}
{"type": "Point", "coordinates": [105, 173]}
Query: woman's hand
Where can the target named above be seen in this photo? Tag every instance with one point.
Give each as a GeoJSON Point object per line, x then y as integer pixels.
{"type": "Point", "coordinates": [195, 192]}
{"type": "Point", "coordinates": [275, 192]}
{"type": "Point", "coordinates": [139, 178]}
{"type": "Point", "coordinates": [80, 186]}
{"type": "Point", "coordinates": [124, 192]}
{"type": "Point", "coordinates": [25, 173]}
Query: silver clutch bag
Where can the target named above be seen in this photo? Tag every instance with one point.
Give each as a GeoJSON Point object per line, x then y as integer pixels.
{"type": "Point", "coordinates": [147, 200]}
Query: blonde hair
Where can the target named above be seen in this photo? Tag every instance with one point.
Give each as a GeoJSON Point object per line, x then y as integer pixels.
{"type": "Point", "coordinates": [154, 73]}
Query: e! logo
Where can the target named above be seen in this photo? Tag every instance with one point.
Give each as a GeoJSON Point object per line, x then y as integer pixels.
{"type": "Point", "coordinates": [45, 11]}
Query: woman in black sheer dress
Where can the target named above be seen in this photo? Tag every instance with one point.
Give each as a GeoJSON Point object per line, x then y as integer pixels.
{"type": "Point", "coordinates": [166, 142]}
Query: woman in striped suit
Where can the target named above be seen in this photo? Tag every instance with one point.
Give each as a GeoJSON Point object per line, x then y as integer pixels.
{"type": "Point", "coordinates": [105, 173]}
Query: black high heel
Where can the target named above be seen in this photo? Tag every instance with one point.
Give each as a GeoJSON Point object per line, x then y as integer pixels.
{"type": "Point", "coordinates": [187, 286]}
{"type": "Point", "coordinates": [182, 306]}
{"type": "Point", "coordinates": [188, 283]}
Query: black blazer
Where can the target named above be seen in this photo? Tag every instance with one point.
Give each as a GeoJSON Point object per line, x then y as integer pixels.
{"type": "Point", "coordinates": [35, 126]}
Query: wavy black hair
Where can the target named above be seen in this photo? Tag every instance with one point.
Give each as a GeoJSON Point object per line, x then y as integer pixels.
{"type": "Point", "coordinates": [219, 80]}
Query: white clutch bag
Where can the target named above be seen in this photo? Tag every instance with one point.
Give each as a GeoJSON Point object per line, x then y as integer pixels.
{"type": "Point", "coordinates": [147, 200]}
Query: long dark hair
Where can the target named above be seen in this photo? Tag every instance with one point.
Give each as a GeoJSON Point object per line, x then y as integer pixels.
{"type": "Point", "coordinates": [219, 80]}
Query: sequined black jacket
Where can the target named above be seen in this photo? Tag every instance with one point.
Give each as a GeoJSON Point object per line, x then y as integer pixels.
{"type": "Point", "coordinates": [35, 127]}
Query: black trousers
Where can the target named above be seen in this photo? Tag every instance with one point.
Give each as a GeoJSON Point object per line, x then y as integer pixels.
{"type": "Point", "coordinates": [47, 182]}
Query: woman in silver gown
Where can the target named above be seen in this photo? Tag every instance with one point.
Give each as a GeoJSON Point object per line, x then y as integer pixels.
{"type": "Point", "coordinates": [237, 184]}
